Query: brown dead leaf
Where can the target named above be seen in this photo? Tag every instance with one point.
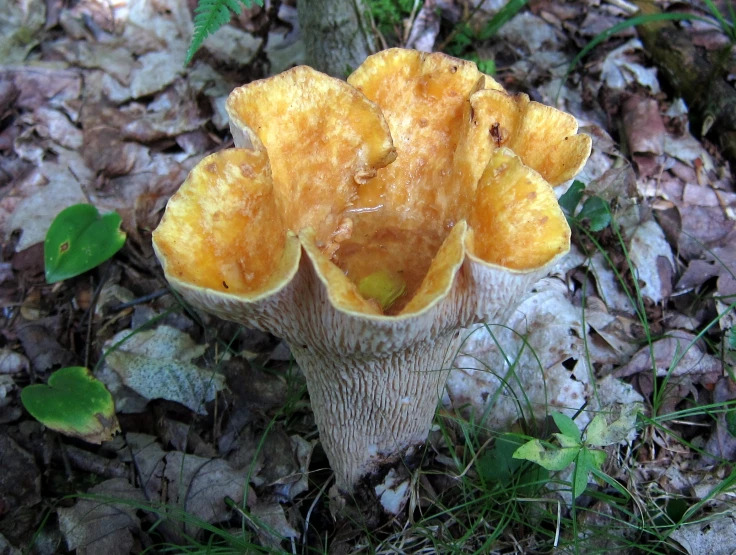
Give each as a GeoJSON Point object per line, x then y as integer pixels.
{"type": "Point", "coordinates": [93, 527]}
{"type": "Point", "coordinates": [20, 480]}
{"type": "Point", "coordinates": [718, 262]}
{"type": "Point", "coordinates": [34, 203]}
{"type": "Point", "coordinates": [54, 125]}
{"type": "Point", "coordinates": [20, 489]}
{"type": "Point", "coordinates": [112, 57]}
{"type": "Point", "coordinates": [616, 331]}
{"type": "Point", "coordinates": [40, 86]}
{"type": "Point", "coordinates": [621, 69]}
{"type": "Point", "coordinates": [643, 125]}
{"type": "Point", "coordinates": [271, 524]}
{"type": "Point", "coordinates": [715, 536]}
{"type": "Point", "coordinates": [12, 362]}
{"type": "Point", "coordinates": [200, 485]}
{"type": "Point", "coordinates": [147, 457]}
{"type": "Point", "coordinates": [174, 112]}
{"type": "Point", "coordinates": [652, 260]}
{"type": "Point", "coordinates": [679, 349]}
{"type": "Point", "coordinates": [704, 214]}
{"type": "Point", "coordinates": [42, 349]}
{"type": "Point", "coordinates": [722, 444]}
{"type": "Point", "coordinates": [103, 149]}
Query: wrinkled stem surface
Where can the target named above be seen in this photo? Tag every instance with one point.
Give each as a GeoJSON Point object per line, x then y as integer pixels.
{"type": "Point", "coordinates": [371, 411]}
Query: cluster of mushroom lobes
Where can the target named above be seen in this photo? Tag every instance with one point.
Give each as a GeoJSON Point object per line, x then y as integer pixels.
{"type": "Point", "coordinates": [359, 218]}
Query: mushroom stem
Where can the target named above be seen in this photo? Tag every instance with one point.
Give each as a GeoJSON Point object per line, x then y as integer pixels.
{"type": "Point", "coordinates": [373, 410]}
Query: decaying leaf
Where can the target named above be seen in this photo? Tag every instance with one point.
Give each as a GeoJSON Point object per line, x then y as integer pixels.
{"type": "Point", "coordinates": [643, 124]}
{"type": "Point", "coordinates": [601, 433]}
{"type": "Point", "coordinates": [522, 365]}
{"type": "Point", "coordinates": [651, 256]}
{"type": "Point", "coordinates": [722, 442]}
{"type": "Point", "coordinates": [20, 23]}
{"type": "Point", "coordinates": [20, 480]}
{"type": "Point", "coordinates": [156, 365]}
{"type": "Point", "coordinates": [198, 485]}
{"type": "Point", "coordinates": [12, 362]}
{"type": "Point", "coordinates": [544, 332]}
{"type": "Point", "coordinates": [713, 536]}
{"type": "Point", "coordinates": [103, 526]}
{"type": "Point", "coordinates": [47, 191]}
{"type": "Point", "coordinates": [676, 355]}
{"type": "Point", "coordinates": [619, 69]}
{"type": "Point", "coordinates": [608, 285]}
{"type": "Point", "coordinates": [271, 524]}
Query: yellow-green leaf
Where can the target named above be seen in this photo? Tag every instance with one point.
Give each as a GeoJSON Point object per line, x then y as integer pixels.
{"type": "Point", "coordinates": [552, 458]}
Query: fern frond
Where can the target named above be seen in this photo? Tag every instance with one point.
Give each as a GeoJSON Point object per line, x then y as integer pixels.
{"type": "Point", "coordinates": [209, 16]}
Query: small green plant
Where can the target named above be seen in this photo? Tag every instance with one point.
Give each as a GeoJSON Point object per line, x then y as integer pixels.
{"type": "Point", "coordinates": [78, 240]}
{"type": "Point", "coordinates": [210, 15]}
{"type": "Point", "coordinates": [596, 210]}
{"type": "Point", "coordinates": [464, 38]}
{"type": "Point", "coordinates": [499, 468]}
{"type": "Point", "coordinates": [74, 403]}
{"type": "Point", "coordinates": [572, 447]}
{"type": "Point", "coordinates": [388, 14]}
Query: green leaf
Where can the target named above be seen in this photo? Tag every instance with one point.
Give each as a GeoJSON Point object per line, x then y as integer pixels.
{"type": "Point", "coordinates": [731, 421]}
{"type": "Point", "coordinates": [382, 286]}
{"type": "Point", "coordinates": [567, 441]}
{"type": "Point", "coordinates": [485, 65]}
{"type": "Point", "coordinates": [598, 457]}
{"type": "Point", "coordinates": [587, 461]}
{"type": "Point", "coordinates": [597, 211]}
{"type": "Point", "coordinates": [597, 431]}
{"type": "Point", "coordinates": [209, 16]}
{"type": "Point", "coordinates": [570, 200]}
{"type": "Point", "coordinates": [498, 464]}
{"type": "Point", "coordinates": [581, 473]}
{"type": "Point", "coordinates": [552, 458]}
{"type": "Point", "coordinates": [74, 403]}
{"type": "Point", "coordinates": [566, 425]}
{"type": "Point", "coordinates": [79, 239]}
{"type": "Point", "coordinates": [600, 434]}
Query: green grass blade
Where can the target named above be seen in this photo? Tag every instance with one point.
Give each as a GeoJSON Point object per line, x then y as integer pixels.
{"type": "Point", "coordinates": [726, 26]}
{"type": "Point", "coordinates": [501, 18]}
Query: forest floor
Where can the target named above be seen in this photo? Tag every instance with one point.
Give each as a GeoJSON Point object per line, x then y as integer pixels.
{"type": "Point", "coordinates": [96, 106]}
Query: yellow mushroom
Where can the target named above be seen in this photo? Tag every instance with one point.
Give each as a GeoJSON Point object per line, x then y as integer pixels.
{"type": "Point", "coordinates": [366, 223]}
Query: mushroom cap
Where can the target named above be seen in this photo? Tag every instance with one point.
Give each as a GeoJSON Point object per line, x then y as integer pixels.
{"type": "Point", "coordinates": [419, 165]}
